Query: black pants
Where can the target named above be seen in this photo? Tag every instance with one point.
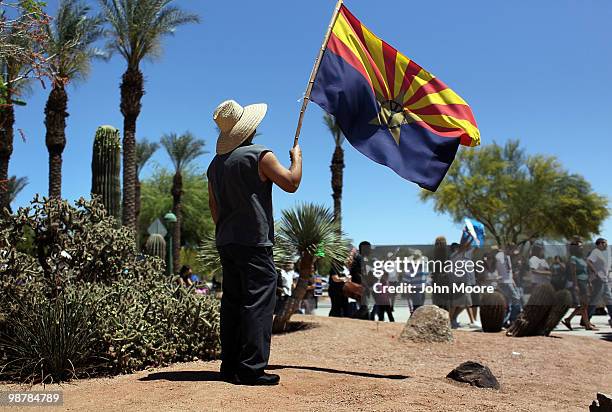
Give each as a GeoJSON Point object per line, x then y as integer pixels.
{"type": "Point", "coordinates": [339, 304]}
{"type": "Point", "coordinates": [380, 310]}
{"type": "Point", "coordinates": [247, 306]}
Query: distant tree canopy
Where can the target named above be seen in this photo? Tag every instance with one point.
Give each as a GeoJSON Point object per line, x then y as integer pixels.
{"type": "Point", "coordinates": [519, 197]}
{"type": "Point", "coordinates": [156, 201]}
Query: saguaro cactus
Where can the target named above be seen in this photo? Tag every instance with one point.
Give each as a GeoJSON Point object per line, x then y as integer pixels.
{"type": "Point", "coordinates": [492, 311]}
{"type": "Point", "coordinates": [156, 245]}
{"type": "Point", "coordinates": [106, 167]}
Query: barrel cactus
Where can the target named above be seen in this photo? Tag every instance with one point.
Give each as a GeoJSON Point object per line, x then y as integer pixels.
{"type": "Point", "coordinates": [156, 245]}
{"type": "Point", "coordinates": [533, 319]}
{"type": "Point", "coordinates": [106, 168]}
{"type": "Point", "coordinates": [563, 301]}
{"type": "Point", "coordinates": [492, 311]}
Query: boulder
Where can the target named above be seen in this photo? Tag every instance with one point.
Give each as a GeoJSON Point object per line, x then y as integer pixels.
{"type": "Point", "coordinates": [428, 324]}
{"type": "Point", "coordinates": [475, 374]}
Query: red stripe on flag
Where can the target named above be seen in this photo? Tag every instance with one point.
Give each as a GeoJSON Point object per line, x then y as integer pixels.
{"type": "Point", "coordinates": [459, 111]}
{"type": "Point", "coordinates": [389, 55]}
{"type": "Point", "coordinates": [411, 71]}
{"type": "Point", "coordinates": [335, 45]}
{"type": "Point", "coordinates": [432, 86]}
{"type": "Point", "coordinates": [355, 24]}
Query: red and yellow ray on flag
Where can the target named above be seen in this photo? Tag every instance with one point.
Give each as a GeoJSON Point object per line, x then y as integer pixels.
{"type": "Point", "coordinates": [406, 92]}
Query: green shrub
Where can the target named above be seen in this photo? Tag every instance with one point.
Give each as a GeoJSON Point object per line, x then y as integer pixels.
{"type": "Point", "coordinates": [86, 303]}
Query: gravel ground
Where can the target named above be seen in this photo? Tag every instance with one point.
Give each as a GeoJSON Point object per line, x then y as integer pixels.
{"type": "Point", "coordinates": [344, 364]}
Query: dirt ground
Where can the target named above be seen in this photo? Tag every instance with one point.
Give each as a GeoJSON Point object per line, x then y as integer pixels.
{"type": "Point", "coordinates": [344, 364]}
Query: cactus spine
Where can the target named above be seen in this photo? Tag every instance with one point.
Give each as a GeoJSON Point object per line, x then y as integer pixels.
{"type": "Point", "coordinates": [492, 311]}
{"type": "Point", "coordinates": [156, 246]}
{"type": "Point", "coordinates": [105, 169]}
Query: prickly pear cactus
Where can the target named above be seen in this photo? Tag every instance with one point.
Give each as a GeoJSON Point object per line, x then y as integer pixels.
{"type": "Point", "coordinates": [492, 311]}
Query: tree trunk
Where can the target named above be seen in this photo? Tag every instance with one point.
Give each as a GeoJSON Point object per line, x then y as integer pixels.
{"type": "Point", "coordinates": [137, 210]}
{"type": "Point", "coordinates": [281, 321]}
{"type": "Point", "coordinates": [132, 90]}
{"type": "Point", "coordinates": [55, 122]}
{"type": "Point", "coordinates": [7, 121]}
{"type": "Point", "coordinates": [337, 166]}
{"type": "Point", "coordinates": [177, 193]}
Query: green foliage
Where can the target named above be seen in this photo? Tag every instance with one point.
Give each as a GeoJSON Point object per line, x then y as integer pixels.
{"type": "Point", "coordinates": [183, 149]}
{"type": "Point", "coordinates": [519, 197]}
{"type": "Point", "coordinates": [87, 303]}
{"type": "Point", "coordinates": [310, 227]}
{"type": "Point", "coordinates": [106, 168]}
{"type": "Point", "coordinates": [71, 37]}
{"type": "Point", "coordinates": [137, 26]}
{"type": "Point", "coordinates": [156, 201]}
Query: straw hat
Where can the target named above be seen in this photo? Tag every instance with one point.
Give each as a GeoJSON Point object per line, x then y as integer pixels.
{"type": "Point", "coordinates": [236, 123]}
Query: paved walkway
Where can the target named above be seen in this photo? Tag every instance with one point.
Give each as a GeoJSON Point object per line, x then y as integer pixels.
{"type": "Point", "coordinates": [402, 313]}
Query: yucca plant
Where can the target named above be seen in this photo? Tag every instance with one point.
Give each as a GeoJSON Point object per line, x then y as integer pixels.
{"type": "Point", "coordinates": [313, 233]}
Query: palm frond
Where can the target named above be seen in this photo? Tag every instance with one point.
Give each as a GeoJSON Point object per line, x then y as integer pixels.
{"type": "Point", "coordinates": [183, 149]}
{"type": "Point", "coordinates": [71, 39]}
{"type": "Point", "coordinates": [144, 152]}
{"type": "Point", "coordinates": [334, 128]}
{"type": "Point", "coordinates": [311, 229]}
{"type": "Point", "coordinates": [138, 26]}
{"type": "Point", "coordinates": [15, 186]}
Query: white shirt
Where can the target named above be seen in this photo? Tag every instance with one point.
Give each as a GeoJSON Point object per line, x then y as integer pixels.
{"type": "Point", "coordinates": [536, 263]}
{"type": "Point", "coordinates": [599, 259]}
{"type": "Point", "coordinates": [287, 281]}
{"type": "Point", "coordinates": [503, 266]}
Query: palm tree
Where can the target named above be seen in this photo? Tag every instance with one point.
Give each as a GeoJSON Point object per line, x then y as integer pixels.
{"type": "Point", "coordinates": [9, 69]}
{"type": "Point", "coordinates": [14, 186]}
{"type": "Point", "coordinates": [312, 232]}
{"type": "Point", "coordinates": [144, 152]}
{"type": "Point", "coordinates": [182, 150]}
{"type": "Point", "coordinates": [70, 49]}
{"type": "Point", "coordinates": [337, 166]}
{"type": "Point", "coordinates": [136, 30]}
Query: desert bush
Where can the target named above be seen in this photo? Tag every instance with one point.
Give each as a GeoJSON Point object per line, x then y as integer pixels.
{"type": "Point", "coordinates": [87, 303]}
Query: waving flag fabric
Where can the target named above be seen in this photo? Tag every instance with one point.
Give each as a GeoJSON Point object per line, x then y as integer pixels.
{"type": "Point", "coordinates": [388, 107]}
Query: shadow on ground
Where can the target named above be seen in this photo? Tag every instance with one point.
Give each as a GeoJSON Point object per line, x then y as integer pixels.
{"type": "Point", "coordinates": [298, 326]}
{"type": "Point", "coordinates": [328, 370]}
{"type": "Point", "coordinates": [214, 376]}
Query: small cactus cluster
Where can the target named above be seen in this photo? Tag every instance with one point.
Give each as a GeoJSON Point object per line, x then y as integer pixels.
{"type": "Point", "coordinates": [106, 168]}
{"type": "Point", "coordinates": [543, 312]}
{"type": "Point", "coordinates": [492, 311]}
{"type": "Point", "coordinates": [156, 246]}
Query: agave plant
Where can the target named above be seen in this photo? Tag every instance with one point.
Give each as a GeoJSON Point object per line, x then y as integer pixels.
{"type": "Point", "coordinates": [312, 232]}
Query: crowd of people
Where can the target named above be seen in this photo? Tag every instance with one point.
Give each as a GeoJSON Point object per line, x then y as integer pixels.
{"type": "Point", "coordinates": [513, 271]}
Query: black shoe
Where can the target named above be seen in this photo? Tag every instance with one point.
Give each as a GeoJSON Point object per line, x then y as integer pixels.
{"type": "Point", "coordinates": [228, 376]}
{"type": "Point", "coordinates": [265, 379]}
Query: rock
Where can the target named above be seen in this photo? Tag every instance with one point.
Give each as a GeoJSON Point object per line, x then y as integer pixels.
{"type": "Point", "coordinates": [605, 403]}
{"type": "Point", "coordinates": [428, 324]}
{"type": "Point", "coordinates": [475, 374]}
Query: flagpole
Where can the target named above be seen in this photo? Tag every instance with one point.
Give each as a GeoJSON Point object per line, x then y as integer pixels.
{"type": "Point", "coordinates": [315, 69]}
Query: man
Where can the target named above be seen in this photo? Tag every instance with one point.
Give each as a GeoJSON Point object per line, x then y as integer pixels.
{"type": "Point", "coordinates": [506, 285]}
{"type": "Point", "coordinates": [240, 179]}
{"type": "Point", "coordinates": [538, 267]}
{"type": "Point", "coordinates": [359, 271]}
{"type": "Point", "coordinates": [285, 286]}
{"type": "Point", "coordinates": [599, 265]}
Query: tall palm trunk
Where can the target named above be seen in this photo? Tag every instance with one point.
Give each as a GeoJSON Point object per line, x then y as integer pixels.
{"type": "Point", "coordinates": [337, 166]}
{"type": "Point", "coordinates": [132, 90]}
{"type": "Point", "coordinates": [7, 121]}
{"type": "Point", "coordinates": [281, 321]}
{"type": "Point", "coordinates": [177, 193]}
{"type": "Point", "coordinates": [55, 122]}
{"type": "Point", "coordinates": [137, 209]}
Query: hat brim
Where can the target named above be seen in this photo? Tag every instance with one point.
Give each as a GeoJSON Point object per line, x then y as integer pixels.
{"type": "Point", "coordinates": [251, 118]}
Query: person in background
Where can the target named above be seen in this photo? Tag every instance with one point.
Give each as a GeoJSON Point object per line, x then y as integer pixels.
{"type": "Point", "coordinates": [506, 285]}
{"type": "Point", "coordinates": [460, 300]}
{"type": "Point", "coordinates": [557, 270]}
{"type": "Point", "coordinates": [578, 269]}
{"type": "Point", "coordinates": [382, 300]}
{"type": "Point", "coordinates": [185, 276]}
{"type": "Point", "coordinates": [337, 278]}
{"type": "Point", "coordinates": [358, 272]}
{"type": "Point", "coordinates": [599, 264]}
{"type": "Point", "coordinates": [417, 298]}
{"type": "Point", "coordinates": [538, 267]}
{"type": "Point", "coordinates": [438, 276]}
{"type": "Point", "coordinates": [285, 286]}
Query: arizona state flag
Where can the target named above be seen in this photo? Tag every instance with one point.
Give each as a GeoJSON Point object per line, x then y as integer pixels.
{"type": "Point", "coordinates": [388, 107]}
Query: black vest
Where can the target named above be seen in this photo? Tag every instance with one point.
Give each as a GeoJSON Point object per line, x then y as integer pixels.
{"type": "Point", "coordinates": [244, 202]}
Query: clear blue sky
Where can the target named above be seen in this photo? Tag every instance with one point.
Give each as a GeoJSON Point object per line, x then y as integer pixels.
{"type": "Point", "coordinates": [535, 71]}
